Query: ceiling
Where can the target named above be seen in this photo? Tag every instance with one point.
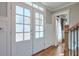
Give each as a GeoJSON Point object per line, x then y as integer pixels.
{"type": "Point", "coordinates": [53, 6]}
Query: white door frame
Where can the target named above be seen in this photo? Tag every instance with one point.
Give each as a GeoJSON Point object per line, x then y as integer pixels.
{"type": "Point", "coordinates": [67, 12]}
{"type": "Point", "coordinates": [13, 24]}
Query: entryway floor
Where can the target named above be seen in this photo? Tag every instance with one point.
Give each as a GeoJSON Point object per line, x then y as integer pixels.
{"type": "Point", "coordinates": [52, 51]}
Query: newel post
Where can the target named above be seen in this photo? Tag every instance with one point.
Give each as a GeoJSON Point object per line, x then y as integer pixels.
{"type": "Point", "coordinates": [66, 32]}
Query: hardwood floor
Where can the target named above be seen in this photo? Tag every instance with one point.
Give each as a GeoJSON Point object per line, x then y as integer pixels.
{"type": "Point", "coordinates": [52, 51]}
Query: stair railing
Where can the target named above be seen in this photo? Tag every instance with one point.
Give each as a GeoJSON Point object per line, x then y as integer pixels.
{"type": "Point", "coordinates": [71, 40]}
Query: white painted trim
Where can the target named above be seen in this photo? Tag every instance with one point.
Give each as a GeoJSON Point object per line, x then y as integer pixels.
{"type": "Point", "coordinates": [60, 13]}
{"type": "Point", "coordinates": [13, 48]}
{"type": "Point", "coordinates": [63, 12]}
{"type": "Point", "coordinates": [52, 10]}
{"type": "Point", "coordinates": [64, 6]}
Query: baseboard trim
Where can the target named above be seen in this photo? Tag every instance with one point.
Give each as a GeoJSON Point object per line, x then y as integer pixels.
{"type": "Point", "coordinates": [43, 50]}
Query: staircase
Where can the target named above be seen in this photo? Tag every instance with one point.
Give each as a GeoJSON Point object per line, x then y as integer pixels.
{"type": "Point", "coordinates": [71, 37]}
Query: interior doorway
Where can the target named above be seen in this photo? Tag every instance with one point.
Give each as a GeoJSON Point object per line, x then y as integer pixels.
{"type": "Point", "coordinates": [62, 19]}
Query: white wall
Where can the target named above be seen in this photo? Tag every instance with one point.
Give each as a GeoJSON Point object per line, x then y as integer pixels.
{"type": "Point", "coordinates": [49, 37]}
{"type": "Point", "coordinates": [55, 41]}
{"type": "Point", "coordinates": [74, 14]}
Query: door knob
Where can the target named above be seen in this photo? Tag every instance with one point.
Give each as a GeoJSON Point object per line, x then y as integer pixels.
{"type": "Point", "coordinates": [0, 28]}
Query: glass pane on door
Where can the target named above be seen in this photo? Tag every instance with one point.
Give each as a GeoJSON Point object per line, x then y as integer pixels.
{"type": "Point", "coordinates": [26, 36]}
{"type": "Point", "coordinates": [19, 10]}
{"type": "Point", "coordinates": [19, 37]}
{"type": "Point", "coordinates": [19, 19]}
{"type": "Point", "coordinates": [36, 35]}
{"type": "Point", "coordinates": [37, 15]}
{"type": "Point", "coordinates": [19, 27]}
{"type": "Point", "coordinates": [26, 28]}
{"type": "Point", "coordinates": [41, 28]}
{"type": "Point", "coordinates": [37, 28]}
{"type": "Point", "coordinates": [26, 20]}
{"type": "Point", "coordinates": [27, 12]}
{"type": "Point", "coordinates": [41, 34]}
{"type": "Point", "coordinates": [37, 22]}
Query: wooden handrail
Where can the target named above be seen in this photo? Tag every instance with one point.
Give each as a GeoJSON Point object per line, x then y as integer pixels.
{"type": "Point", "coordinates": [74, 27]}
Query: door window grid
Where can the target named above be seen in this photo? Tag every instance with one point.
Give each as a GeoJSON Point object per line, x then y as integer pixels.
{"type": "Point", "coordinates": [23, 34]}
{"type": "Point", "coordinates": [38, 32]}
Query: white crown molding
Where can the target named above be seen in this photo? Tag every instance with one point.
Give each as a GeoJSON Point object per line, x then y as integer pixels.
{"type": "Point", "coordinates": [64, 6]}
{"type": "Point", "coordinates": [52, 10]}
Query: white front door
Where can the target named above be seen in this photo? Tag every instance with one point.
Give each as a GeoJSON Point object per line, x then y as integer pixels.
{"type": "Point", "coordinates": [2, 37]}
{"type": "Point", "coordinates": [23, 30]}
{"type": "Point", "coordinates": [38, 41]}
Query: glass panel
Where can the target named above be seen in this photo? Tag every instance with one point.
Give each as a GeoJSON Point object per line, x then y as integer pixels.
{"type": "Point", "coordinates": [41, 16]}
{"type": "Point", "coordinates": [40, 8]}
{"type": "Point", "coordinates": [41, 34]}
{"type": "Point", "coordinates": [41, 28]}
{"type": "Point", "coordinates": [27, 12]}
{"type": "Point", "coordinates": [37, 22]}
{"type": "Point", "coordinates": [41, 22]}
{"type": "Point", "coordinates": [37, 28]}
{"type": "Point", "coordinates": [37, 15]}
{"type": "Point", "coordinates": [26, 20]}
{"type": "Point", "coordinates": [19, 37]}
{"type": "Point", "coordinates": [35, 6]}
{"type": "Point", "coordinates": [41, 19]}
{"type": "Point", "coordinates": [37, 34]}
{"type": "Point", "coordinates": [19, 19]}
{"type": "Point", "coordinates": [26, 36]}
{"type": "Point", "coordinates": [26, 28]}
{"type": "Point", "coordinates": [19, 28]}
{"type": "Point", "coordinates": [19, 10]}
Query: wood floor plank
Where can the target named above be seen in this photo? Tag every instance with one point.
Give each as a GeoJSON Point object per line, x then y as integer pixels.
{"type": "Point", "coordinates": [52, 51]}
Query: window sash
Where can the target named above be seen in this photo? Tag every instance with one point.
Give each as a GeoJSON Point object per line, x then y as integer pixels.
{"type": "Point", "coordinates": [21, 25]}
{"type": "Point", "coordinates": [40, 26]}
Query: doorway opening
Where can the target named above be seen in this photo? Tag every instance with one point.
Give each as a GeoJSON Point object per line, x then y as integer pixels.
{"type": "Point", "coordinates": [61, 21]}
